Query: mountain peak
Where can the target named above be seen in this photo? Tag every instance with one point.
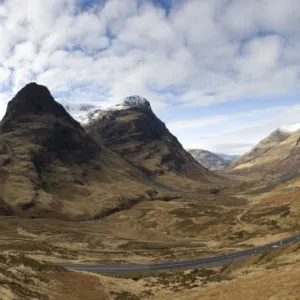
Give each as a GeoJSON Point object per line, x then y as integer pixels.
{"type": "Point", "coordinates": [132, 101]}
{"type": "Point", "coordinates": [132, 130]}
{"type": "Point", "coordinates": [290, 128]}
{"type": "Point", "coordinates": [279, 134]}
{"type": "Point", "coordinates": [34, 99]}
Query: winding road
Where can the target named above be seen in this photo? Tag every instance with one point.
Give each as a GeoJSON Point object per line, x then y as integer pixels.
{"type": "Point", "coordinates": [205, 262]}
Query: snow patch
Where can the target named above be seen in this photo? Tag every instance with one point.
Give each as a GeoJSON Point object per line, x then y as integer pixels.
{"type": "Point", "coordinates": [89, 116]}
{"type": "Point", "coordinates": [131, 101]}
{"type": "Point", "coordinates": [77, 108]}
{"type": "Point", "coordinates": [81, 112]}
{"type": "Point", "coordinates": [290, 128]}
{"type": "Point", "coordinates": [85, 113]}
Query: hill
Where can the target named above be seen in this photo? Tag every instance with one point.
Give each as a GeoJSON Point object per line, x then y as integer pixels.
{"type": "Point", "coordinates": [132, 130]}
{"type": "Point", "coordinates": [276, 154]}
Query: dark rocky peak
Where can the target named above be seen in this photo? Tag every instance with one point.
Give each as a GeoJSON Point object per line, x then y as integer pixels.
{"type": "Point", "coordinates": [34, 99]}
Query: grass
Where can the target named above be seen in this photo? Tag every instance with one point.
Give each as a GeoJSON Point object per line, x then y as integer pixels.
{"type": "Point", "coordinates": [124, 296]}
{"type": "Point", "coordinates": [21, 274]}
{"type": "Point", "coordinates": [127, 118]}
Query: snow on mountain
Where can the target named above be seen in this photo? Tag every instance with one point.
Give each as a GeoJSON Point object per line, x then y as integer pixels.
{"type": "Point", "coordinates": [77, 108]}
{"type": "Point", "coordinates": [89, 116]}
{"type": "Point", "coordinates": [131, 101]}
{"type": "Point", "coordinates": [290, 128]}
{"type": "Point", "coordinates": [85, 113]}
{"type": "Point", "coordinates": [81, 112]}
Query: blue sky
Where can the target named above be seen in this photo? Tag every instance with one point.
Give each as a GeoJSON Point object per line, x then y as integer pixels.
{"type": "Point", "coordinates": [221, 74]}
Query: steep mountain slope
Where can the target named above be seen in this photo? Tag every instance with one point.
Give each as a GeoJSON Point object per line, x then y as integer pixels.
{"type": "Point", "coordinates": [50, 167]}
{"type": "Point", "coordinates": [210, 160]}
{"type": "Point", "coordinates": [278, 153]}
{"type": "Point", "coordinates": [132, 130]}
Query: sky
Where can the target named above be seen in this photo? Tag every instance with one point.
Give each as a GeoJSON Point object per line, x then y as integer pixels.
{"type": "Point", "coordinates": [222, 74]}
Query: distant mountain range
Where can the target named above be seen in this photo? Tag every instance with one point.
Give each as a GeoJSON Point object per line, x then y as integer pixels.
{"type": "Point", "coordinates": [212, 161]}
{"type": "Point", "coordinates": [228, 157]}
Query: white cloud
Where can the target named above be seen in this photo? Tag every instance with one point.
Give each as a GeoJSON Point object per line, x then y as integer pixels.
{"type": "Point", "coordinates": [2, 108]}
{"type": "Point", "coordinates": [190, 124]}
{"type": "Point", "coordinates": [291, 127]}
{"type": "Point", "coordinates": [237, 132]}
{"type": "Point", "coordinates": [192, 47]}
{"type": "Point", "coordinates": [260, 57]}
{"type": "Point", "coordinates": [20, 78]}
{"type": "Point", "coordinates": [4, 98]}
{"type": "Point", "coordinates": [261, 15]}
{"type": "Point", "coordinates": [4, 74]}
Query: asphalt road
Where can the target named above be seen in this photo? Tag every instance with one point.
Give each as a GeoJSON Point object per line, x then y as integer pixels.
{"type": "Point", "coordinates": [205, 262]}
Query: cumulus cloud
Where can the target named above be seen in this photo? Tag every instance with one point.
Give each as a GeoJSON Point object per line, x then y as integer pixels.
{"type": "Point", "coordinates": [193, 53]}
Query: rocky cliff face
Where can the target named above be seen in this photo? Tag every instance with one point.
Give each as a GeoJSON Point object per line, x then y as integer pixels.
{"type": "Point", "coordinates": [132, 130]}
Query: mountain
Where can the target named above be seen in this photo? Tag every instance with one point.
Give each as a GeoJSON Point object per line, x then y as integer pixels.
{"type": "Point", "coordinates": [228, 157]}
{"type": "Point", "coordinates": [211, 160]}
{"type": "Point", "coordinates": [50, 167]}
{"type": "Point", "coordinates": [277, 153]}
{"type": "Point", "coordinates": [132, 130]}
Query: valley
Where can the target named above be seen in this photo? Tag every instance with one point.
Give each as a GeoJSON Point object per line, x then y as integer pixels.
{"type": "Point", "coordinates": [123, 190]}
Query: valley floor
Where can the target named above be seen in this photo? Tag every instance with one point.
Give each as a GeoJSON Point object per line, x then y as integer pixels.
{"type": "Point", "coordinates": [274, 275]}
{"type": "Point", "coordinates": [158, 231]}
